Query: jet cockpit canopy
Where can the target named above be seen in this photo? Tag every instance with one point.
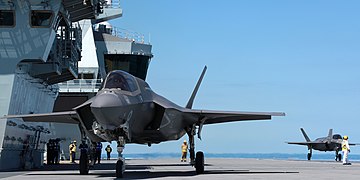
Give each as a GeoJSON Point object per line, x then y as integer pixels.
{"type": "Point", "coordinates": [337, 136]}
{"type": "Point", "coordinates": [120, 80]}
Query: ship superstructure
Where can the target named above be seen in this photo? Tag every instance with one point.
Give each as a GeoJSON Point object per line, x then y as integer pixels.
{"type": "Point", "coordinates": [43, 43]}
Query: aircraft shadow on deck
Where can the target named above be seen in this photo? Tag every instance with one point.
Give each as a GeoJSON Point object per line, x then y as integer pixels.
{"type": "Point", "coordinates": [142, 171]}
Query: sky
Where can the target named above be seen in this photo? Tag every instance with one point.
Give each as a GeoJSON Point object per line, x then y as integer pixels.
{"type": "Point", "coordinates": [297, 57]}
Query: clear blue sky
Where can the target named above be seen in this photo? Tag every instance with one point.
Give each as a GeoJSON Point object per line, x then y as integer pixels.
{"type": "Point", "coordinates": [297, 57]}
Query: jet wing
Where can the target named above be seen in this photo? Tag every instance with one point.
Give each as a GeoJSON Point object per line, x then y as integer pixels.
{"type": "Point", "coordinates": [305, 143]}
{"type": "Point", "coordinates": [69, 117]}
{"type": "Point", "coordinates": [354, 144]}
{"type": "Point", "coordinates": [212, 116]}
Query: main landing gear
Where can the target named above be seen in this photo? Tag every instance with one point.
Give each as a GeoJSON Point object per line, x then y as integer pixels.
{"type": "Point", "coordinates": [309, 154]}
{"type": "Point", "coordinates": [337, 156]}
{"type": "Point", "coordinates": [198, 160]}
{"type": "Point", "coordinates": [84, 163]}
{"type": "Point", "coordinates": [84, 158]}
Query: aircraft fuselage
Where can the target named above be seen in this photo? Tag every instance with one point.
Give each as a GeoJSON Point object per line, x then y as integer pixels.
{"type": "Point", "coordinates": [134, 114]}
{"type": "Point", "coordinates": [327, 144]}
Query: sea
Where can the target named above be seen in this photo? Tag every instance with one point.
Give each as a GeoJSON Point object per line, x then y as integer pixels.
{"type": "Point", "coordinates": [277, 156]}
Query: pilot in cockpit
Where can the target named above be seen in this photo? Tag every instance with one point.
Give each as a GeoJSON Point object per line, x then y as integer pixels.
{"type": "Point", "coordinates": [116, 80]}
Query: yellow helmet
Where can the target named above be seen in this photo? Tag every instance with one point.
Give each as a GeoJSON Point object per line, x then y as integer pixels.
{"type": "Point", "coordinates": [346, 137]}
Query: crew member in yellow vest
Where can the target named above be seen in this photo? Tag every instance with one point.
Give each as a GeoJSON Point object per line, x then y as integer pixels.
{"type": "Point", "coordinates": [108, 151]}
{"type": "Point", "coordinates": [345, 149]}
{"type": "Point", "coordinates": [184, 149]}
{"type": "Point", "coordinates": [72, 150]}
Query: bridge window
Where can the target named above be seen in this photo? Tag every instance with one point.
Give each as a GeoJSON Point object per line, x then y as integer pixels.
{"type": "Point", "coordinates": [136, 65]}
{"type": "Point", "coordinates": [88, 76]}
{"type": "Point", "coordinates": [41, 18]}
{"type": "Point", "coordinates": [7, 18]}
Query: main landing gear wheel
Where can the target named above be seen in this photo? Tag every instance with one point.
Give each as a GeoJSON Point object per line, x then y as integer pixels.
{"type": "Point", "coordinates": [84, 164]}
{"type": "Point", "coordinates": [120, 168]}
{"type": "Point", "coordinates": [339, 157]}
{"type": "Point", "coordinates": [199, 162]}
{"type": "Point", "coordinates": [309, 156]}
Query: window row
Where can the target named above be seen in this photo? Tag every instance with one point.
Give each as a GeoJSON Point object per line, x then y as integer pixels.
{"type": "Point", "coordinates": [37, 18]}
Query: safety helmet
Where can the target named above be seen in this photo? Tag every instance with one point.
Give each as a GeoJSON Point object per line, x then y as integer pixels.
{"type": "Point", "coordinates": [74, 141]}
{"type": "Point", "coordinates": [185, 141]}
{"type": "Point", "coordinates": [346, 137]}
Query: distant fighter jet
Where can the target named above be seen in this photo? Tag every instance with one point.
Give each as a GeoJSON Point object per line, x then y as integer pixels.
{"type": "Point", "coordinates": [329, 143]}
{"type": "Point", "coordinates": [128, 111]}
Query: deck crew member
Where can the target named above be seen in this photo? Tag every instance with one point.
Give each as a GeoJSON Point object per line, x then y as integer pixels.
{"type": "Point", "coordinates": [345, 149]}
{"type": "Point", "coordinates": [56, 154]}
{"type": "Point", "coordinates": [98, 152]}
{"type": "Point", "coordinates": [108, 151]}
{"type": "Point", "coordinates": [83, 147]}
{"type": "Point", "coordinates": [184, 148]}
{"type": "Point", "coordinates": [72, 150]}
{"type": "Point", "coordinates": [50, 152]}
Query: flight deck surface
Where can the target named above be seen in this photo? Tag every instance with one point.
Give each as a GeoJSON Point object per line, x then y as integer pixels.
{"type": "Point", "coordinates": [214, 169]}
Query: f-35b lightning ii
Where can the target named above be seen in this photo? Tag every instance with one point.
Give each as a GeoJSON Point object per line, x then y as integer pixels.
{"type": "Point", "coordinates": [126, 110]}
{"type": "Point", "coordinates": [329, 143]}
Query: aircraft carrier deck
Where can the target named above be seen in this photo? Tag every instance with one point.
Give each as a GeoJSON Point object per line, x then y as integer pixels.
{"type": "Point", "coordinates": [214, 169]}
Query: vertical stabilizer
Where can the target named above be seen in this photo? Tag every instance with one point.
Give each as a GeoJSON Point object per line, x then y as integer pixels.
{"type": "Point", "coordinates": [305, 135]}
{"type": "Point", "coordinates": [191, 100]}
{"type": "Point", "coordinates": [330, 133]}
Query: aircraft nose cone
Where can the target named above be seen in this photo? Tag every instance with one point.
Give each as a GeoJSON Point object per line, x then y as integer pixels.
{"type": "Point", "coordinates": [106, 108]}
{"type": "Point", "coordinates": [106, 100]}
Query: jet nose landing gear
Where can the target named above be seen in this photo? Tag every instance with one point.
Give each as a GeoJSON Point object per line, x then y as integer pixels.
{"type": "Point", "coordinates": [120, 164]}
{"type": "Point", "coordinates": [120, 168]}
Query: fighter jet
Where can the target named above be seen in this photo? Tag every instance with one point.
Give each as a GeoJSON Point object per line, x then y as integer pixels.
{"type": "Point", "coordinates": [126, 110]}
{"type": "Point", "coordinates": [329, 143]}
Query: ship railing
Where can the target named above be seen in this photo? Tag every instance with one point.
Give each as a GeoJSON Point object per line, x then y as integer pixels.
{"type": "Point", "coordinates": [112, 4]}
{"type": "Point", "coordinates": [80, 85]}
{"type": "Point", "coordinates": [121, 33]}
{"type": "Point", "coordinates": [129, 35]}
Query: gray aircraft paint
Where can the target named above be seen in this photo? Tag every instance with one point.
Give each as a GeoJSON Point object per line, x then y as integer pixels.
{"type": "Point", "coordinates": [330, 143]}
{"type": "Point", "coordinates": [153, 118]}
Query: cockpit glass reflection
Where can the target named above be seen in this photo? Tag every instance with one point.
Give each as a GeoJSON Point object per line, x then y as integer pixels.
{"type": "Point", "coordinates": [337, 136]}
{"type": "Point", "coordinates": [120, 80]}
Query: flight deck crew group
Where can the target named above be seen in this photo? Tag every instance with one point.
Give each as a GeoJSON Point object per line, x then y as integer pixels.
{"type": "Point", "coordinates": [94, 151]}
{"type": "Point", "coordinates": [53, 151]}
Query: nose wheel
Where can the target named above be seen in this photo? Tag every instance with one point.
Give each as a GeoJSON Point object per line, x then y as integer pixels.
{"type": "Point", "coordinates": [120, 164]}
{"type": "Point", "coordinates": [120, 168]}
